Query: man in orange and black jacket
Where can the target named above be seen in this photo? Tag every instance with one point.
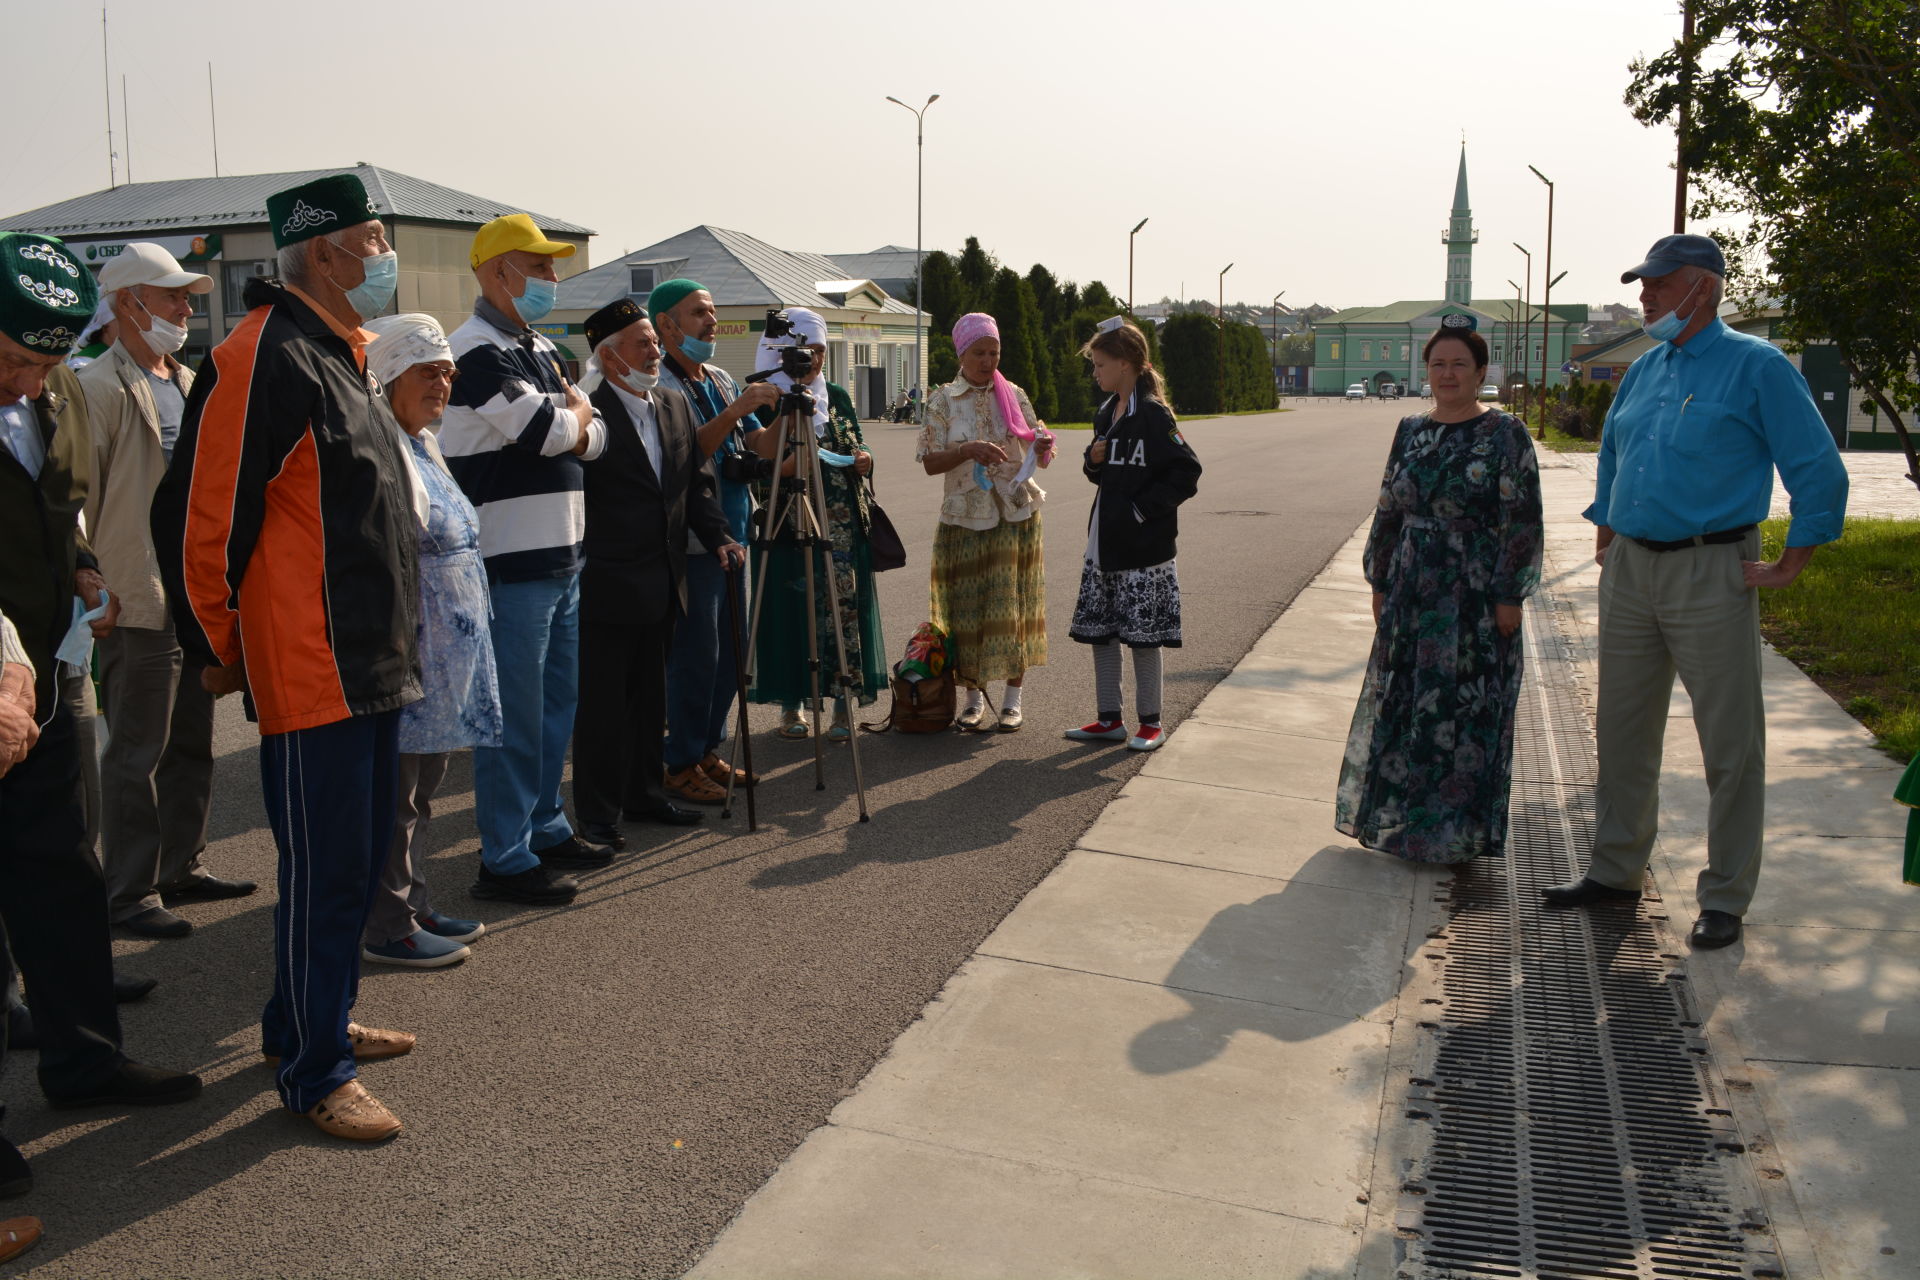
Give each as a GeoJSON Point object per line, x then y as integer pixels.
{"type": "Point", "coordinates": [291, 522]}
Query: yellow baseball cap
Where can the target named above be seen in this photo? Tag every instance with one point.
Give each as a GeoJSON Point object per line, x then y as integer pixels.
{"type": "Point", "coordinates": [514, 231]}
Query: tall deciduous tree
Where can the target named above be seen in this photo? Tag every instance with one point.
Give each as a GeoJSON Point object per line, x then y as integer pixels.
{"type": "Point", "coordinates": [1806, 131]}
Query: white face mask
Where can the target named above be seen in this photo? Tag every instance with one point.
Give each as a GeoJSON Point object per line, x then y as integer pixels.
{"type": "Point", "coordinates": [636, 381]}
{"type": "Point", "coordinates": [161, 336]}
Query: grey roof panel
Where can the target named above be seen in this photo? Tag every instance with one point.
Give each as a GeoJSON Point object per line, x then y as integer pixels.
{"type": "Point", "coordinates": [738, 270]}
{"type": "Point", "coordinates": [241, 200]}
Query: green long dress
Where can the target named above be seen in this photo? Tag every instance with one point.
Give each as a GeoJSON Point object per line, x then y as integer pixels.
{"type": "Point", "coordinates": [1908, 794]}
{"type": "Point", "coordinates": [780, 673]}
{"type": "Point", "coordinates": [1458, 531]}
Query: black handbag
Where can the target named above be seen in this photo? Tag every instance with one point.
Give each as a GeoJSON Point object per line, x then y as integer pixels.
{"type": "Point", "coordinates": [882, 538]}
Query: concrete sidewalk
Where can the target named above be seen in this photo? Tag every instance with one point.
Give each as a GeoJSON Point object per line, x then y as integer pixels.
{"type": "Point", "coordinates": [1177, 1056]}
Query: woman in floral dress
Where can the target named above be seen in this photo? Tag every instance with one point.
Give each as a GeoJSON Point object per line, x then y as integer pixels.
{"type": "Point", "coordinates": [460, 703]}
{"type": "Point", "coordinates": [780, 672]}
{"type": "Point", "coordinates": [1455, 548]}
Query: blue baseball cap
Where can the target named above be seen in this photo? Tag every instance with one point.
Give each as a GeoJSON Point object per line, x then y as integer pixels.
{"type": "Point", "coordinates": [1672, 252]}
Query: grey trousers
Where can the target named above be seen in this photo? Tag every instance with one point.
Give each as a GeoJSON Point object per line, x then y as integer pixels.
{"type": "Point", "coordinates": [402, 892]}
{"type": "Point", "coordinates": [1688, 611]}
{"type": "Point", "coordinates": [157, 769]}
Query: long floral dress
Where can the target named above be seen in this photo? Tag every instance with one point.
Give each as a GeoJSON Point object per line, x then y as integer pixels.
{"type": "Point", "coordinates": [1458, 530]}
{"type": "Point", "coordinates": [461, 703]}
{"type": "Point", "coordinates": [780, 650]}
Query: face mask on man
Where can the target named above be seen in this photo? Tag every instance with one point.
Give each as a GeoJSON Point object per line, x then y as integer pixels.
{"type": "Point", "coordinates": [375, 290]}
{"type": "Point", "coordinates": [162, 337]}
{"type": "Point", "coordinates": [636, 381]}
{"type": "Point", "coordinates": [536, 298]}
{"type": "Point", "coordinates": [1670, 326]}
{"type": "Point", "coordinates": [696, 349]}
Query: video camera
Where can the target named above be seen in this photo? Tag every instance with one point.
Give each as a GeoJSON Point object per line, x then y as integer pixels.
{"type": "Point", "coordinates": [795, 361]}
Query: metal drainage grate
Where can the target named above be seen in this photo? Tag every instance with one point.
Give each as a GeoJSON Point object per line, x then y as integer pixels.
{"type": "Point", "coordinates": [1574, 1125]}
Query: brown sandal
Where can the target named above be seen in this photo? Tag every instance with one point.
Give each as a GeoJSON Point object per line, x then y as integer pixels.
{"type": "Point", "coordinates": [719, 770]}
{"type": "Point", "coordinates": [695, 787]}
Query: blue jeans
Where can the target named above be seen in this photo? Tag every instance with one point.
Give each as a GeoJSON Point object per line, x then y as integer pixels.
{"type": "Point", "coordinates": [702, 669]}
{"type": "Point", "coordinates": [516, 785]}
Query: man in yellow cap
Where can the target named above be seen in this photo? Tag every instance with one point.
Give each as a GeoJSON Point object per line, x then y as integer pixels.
{"type": "Point", "coordinates": [514, 434]}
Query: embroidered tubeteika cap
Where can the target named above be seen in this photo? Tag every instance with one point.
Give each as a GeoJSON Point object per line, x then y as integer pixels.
{"type": "Point", "coordinates": [46, 296]}
{"type": "Point", "coordinates": [318, 208]}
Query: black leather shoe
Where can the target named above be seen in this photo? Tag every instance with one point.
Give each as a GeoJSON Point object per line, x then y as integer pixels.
{"type": "Point", "coordinates": [132, 1084]}
{"type": "Point", "coordinates": [1714, 929]}
{"type": "Point", "coordinates": [156, 922]}
{"type": "Point", "coordinates": [21, 1035]}
{"type": "Point", "coordinates": [603, 834]}
{"type": "Point", "coordinates": [127, 989]}
{"type": "Point", "coordinates": [16, 1179]}
{"type": "Point", "coordinates": [667, 813]}
{"type": "Point", "coordinates": [1585, 893]}
{"type": "Point", "coordinates": [206, 888]}
{"type": "Point", "coordinates": [537, 886]}
{"type": "Point", "coordinates": [574, 854]}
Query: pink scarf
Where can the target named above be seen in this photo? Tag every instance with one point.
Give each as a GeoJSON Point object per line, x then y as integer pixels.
{"type": "Point", "coordinates": [969, 329]}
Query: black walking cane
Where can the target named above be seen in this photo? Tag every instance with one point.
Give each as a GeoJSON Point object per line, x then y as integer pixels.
{"type": "Point", "coordinates": [740, 673]}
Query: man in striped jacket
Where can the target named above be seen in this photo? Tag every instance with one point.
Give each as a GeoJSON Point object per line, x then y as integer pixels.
{"type": "Point", "coordinates": [287, 529]}
{"type": "Point", "coordinates": [514, 434]}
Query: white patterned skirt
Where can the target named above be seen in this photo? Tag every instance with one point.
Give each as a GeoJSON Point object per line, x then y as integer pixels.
{"type": "Point", "coordinates": [1138, 607]}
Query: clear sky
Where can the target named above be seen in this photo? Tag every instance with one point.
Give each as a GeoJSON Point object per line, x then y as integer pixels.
{"type": "Point", "coordinates": [1313, 146]}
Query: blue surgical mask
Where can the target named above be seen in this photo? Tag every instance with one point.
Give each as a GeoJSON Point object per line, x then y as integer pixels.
{"type": "Point", "coordinates": [536, 299]}
{"type": "Point", "coordinates": [1670, 326]}
{"type": "Point", "coordinates": [371, 296]}
{"type": "Point", "coordinates": [696, 349]}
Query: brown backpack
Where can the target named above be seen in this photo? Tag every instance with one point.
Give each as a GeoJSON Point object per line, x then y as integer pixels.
{"type": "Point", "coordinates": [927, 705]}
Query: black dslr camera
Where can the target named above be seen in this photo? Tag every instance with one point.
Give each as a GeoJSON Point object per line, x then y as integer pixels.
{"type": "Point", "coordinates": [746, 467]}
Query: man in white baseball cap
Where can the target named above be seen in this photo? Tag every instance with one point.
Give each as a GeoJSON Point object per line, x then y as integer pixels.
{"type": "Point", "coordinates": [157, 770]}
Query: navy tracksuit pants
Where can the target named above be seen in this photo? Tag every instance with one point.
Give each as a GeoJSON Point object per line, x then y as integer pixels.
{"type": "Point", "coordinates": [330, 795]}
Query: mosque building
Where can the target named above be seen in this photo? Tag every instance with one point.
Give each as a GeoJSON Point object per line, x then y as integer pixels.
{"type": "Point", "coordinates": [1380, 346]}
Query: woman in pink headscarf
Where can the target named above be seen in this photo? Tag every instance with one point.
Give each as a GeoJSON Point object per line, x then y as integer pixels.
{"type": "Point", "coordinates": [989, 584]}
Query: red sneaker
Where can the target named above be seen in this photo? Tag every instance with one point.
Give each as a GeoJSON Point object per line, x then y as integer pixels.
{"type": "Point", "coordinates": [1148, 739]}
{"type": "Point", "coordinates": [1099, 731]}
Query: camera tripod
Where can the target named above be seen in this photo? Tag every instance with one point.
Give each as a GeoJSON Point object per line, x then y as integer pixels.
{"type": "Point", "coordinates": [797, 505]}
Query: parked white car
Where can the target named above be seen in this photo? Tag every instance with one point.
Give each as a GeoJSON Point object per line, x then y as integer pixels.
{"type": "Point", "coordinates": [1490, 392]}
{"type": "Point", "coordinates": [1358, 391]}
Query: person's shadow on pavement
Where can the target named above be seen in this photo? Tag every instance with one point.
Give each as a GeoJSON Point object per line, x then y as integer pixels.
{"type": "Point", "coordinates": [1293, 965]}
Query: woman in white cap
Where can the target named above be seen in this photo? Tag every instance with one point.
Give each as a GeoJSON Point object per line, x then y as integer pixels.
{"type": "Point", "coordinates": [780, 672]}
{"type": "Point", "coordinates": [461, 707]}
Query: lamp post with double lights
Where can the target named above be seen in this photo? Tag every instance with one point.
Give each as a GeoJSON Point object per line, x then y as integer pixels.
{"type": "Point", "coordinates": [919, 278]}
{"type": "Point", "coordinates": [1275, 362]}
{"type": "Point", "coordinates": [1546, 304]}
{"type": "Point", "coordinates": [1130, 235]}
{"type": "Point", "coordinates": [1519, 355]}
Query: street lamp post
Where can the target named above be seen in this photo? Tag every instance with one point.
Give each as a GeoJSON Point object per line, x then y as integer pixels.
{"type": "Point", "coordinates": [1526, 332]}
{"type": "Point", "coordinates": [1130, 235]}
{"type": "Point", "coordinates": [919, 277]}
{"type": "Point", "coordinates": [1220, 343]}
{"type": "Point", "coordinates": [1546, 304]}
{"type": "Point", "coordinates": [1276, 330]}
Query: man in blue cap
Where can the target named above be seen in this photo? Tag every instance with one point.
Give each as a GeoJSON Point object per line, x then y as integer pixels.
{"type": "Point", "coordinates": [1686, 473]}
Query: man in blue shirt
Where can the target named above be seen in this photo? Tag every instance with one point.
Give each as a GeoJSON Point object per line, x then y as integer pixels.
{"type": "Point", "coordinates": [1686, 473]}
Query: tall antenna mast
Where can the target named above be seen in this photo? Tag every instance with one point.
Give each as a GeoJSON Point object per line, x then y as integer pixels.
{"type": "Point", "coordinates": [106, 85]}
{"type": "Point", "coordinates": [214, 116]}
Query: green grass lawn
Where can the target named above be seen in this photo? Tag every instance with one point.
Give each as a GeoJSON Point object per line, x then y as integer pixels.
{"type": "Point", "coordinates": [1851, 621]}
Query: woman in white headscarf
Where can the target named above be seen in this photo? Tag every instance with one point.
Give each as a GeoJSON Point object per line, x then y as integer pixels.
{"type": "Point", "coordinates": [461, 707]}
{"type": "Point", "coordinates": [780, 672]}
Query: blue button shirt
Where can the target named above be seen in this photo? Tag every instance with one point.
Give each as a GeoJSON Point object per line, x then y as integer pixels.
{"type": "Point", "coordinates": [1693, 438]}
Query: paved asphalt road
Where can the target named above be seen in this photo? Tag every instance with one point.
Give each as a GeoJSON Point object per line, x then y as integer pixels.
{"type": "Point", "coordinates": [600, 1088]}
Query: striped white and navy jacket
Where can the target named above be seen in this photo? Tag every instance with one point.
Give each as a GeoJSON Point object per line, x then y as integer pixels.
{"type": "Point", "coordinates": [508, 438]}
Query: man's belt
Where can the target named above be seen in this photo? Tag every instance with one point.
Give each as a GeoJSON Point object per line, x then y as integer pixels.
{"type": "Point", "coordinates": [1698, 540]}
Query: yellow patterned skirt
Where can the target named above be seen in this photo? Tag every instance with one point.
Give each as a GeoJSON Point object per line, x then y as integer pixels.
{"type": "Point", "coordinates": [990, 597]}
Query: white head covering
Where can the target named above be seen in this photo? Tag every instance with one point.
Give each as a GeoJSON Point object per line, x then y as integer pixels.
{"type": "Point", "coordinates": [808, 328]}
{"type": "Point", "coordinates": [399, 343]}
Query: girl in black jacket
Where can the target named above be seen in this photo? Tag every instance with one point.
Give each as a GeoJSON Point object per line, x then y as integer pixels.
{"type": "Point", "coordinates": [1130, 589]}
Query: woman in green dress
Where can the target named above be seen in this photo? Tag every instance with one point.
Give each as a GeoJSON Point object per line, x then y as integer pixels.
{"type": "Point", "coordinates": [780, 671]}
{"type": "Point", "coordinates": [1455, 548]}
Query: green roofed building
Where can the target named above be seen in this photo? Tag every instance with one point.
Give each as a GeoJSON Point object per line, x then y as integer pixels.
{"type": "Point", "coordinates": [1381, 345]}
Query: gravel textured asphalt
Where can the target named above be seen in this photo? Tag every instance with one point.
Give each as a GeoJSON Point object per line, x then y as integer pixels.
{"type": "Point", "coordinates": [599, 1089]}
